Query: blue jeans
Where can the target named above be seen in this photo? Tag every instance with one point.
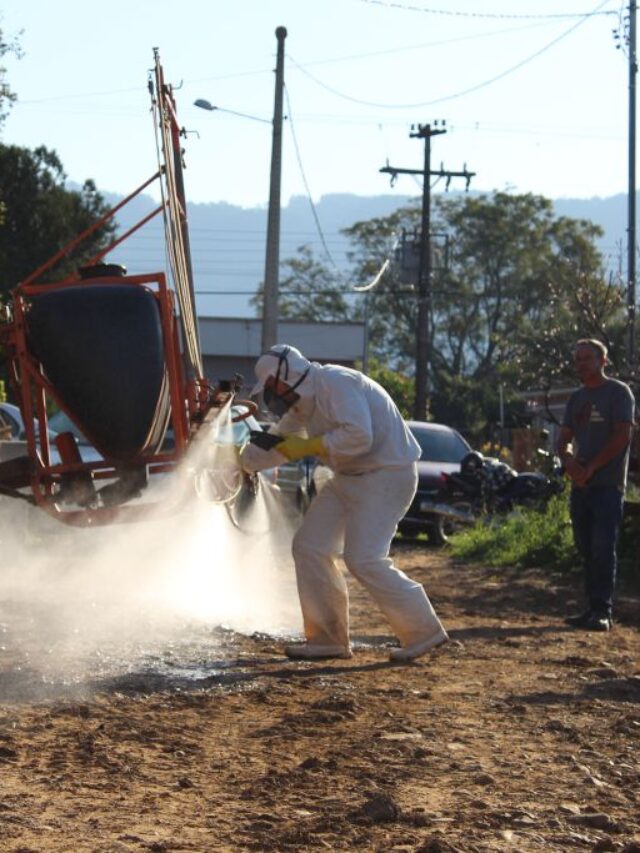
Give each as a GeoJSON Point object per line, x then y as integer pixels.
{"type": "Point", "coordinates": [596, 515]}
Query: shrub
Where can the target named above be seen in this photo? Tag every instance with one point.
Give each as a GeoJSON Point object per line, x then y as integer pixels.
{"type": "Point", "coordinates": [524, 538]}
{"type": "Point", "coordinates": [539, 538]}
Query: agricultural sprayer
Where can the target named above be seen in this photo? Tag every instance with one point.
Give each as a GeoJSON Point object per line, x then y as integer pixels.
{"type": "Point", "coordinates": [119, 354]}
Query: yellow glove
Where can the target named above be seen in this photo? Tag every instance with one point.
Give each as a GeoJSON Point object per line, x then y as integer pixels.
{"type": "Point", "coordinates": [294, 447]}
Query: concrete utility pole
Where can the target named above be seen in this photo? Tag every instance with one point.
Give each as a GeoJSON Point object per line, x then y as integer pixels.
{"type": "Point", "coordinates": [272, 260]}
{"type": "Point", "coordinates": [423, 324]}
{"type": "Point", "coordinates": [631, 192]}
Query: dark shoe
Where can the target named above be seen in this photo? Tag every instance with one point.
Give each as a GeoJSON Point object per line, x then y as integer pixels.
{"type": "Point", "coordinates": [580, 620]}
{"type": "Point", "coordinates": [598, 622]}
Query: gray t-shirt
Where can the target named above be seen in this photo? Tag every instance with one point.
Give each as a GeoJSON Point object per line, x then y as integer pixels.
{"type": "Point", "coordinates": [591, 414]}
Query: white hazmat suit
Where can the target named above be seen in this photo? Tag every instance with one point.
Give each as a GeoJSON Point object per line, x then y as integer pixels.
{"type": "Point", "coordinates": [373, 455]}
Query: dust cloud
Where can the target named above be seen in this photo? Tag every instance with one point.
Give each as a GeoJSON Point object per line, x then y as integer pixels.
{"type": "Point", "coordinates": [162, 595]}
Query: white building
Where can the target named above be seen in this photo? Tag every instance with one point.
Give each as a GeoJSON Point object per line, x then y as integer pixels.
{"type": "Point", "coordinates": [232, 345]}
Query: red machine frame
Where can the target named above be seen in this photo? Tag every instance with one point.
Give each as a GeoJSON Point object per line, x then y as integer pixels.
{"type": "Point", "coordinates": [192, 400]}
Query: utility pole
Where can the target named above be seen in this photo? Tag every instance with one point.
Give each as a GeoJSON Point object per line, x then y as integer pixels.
{"type": "Point", "coordinates": [425, 272]}
{"type": "Point", "coordinates": [272, 259]}
{"type": "Point", "coordinates": [631, 193]}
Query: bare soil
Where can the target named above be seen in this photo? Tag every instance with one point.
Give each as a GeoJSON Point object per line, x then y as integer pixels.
{"type": "Point", "coordinates": [520, 734]}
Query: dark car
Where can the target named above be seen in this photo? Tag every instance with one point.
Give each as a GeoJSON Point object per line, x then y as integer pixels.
{"type": "Point", "coordinates": [442, 451]}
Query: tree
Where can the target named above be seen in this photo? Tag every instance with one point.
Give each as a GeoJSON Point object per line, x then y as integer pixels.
{"type": "Point", "coordinates": [392, 304]}
{"type": "Point", "coordinates": [512, 262]}
{"type": "Point", "coordinates": [309, 291]}
{"type": "Point", "coordinates": [42, 215]}
{"type": "Point", "coordinates": [496, 317]}
{"type": "Point", "coordinates": [7, 97]}
{"type": "Point", "coordinates": [518, 286]}
{"type": "Point", "coordinates": [398, 385]}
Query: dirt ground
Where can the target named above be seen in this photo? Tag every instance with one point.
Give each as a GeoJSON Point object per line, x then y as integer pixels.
{"type": "Point", "coordinates": [520, 734]}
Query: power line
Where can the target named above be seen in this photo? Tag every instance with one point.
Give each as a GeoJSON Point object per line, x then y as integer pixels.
{"type": "Point", "coordinates": [304, 180]}
{"type": "Point", "coordinates": [346, 58]}
{"type": "Point", "coordinates": [328, 292]}
{"type": "Point", "coordinates": [213, 229]}
{"type": "Point", "coordinates": [423, 45]}
{"type": "Point", "coordinates": [454, 95]}
{"type": "Point", "coordinates": [492, 15]}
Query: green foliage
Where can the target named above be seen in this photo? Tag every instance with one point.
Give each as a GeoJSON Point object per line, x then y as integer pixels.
{"type": "Point", "coordinates": [3, 392]}
{"type": "Point", "coordinates": [506, 252]}
{"type": "Point", "coordinates": [529, 538]}
{"type": "Point", "coordinates": [7, 97]}
{"type": "Point", "coordinates": [526, 538]}
{"type": "Point", "coordinates": [309, 291]}
{"type": "Point", "coordinates": [398, 385]}
{"type": "Point", "coordinates": [42, 215]}
{"type": "Point", "coordinates": [392, 304]}
{"type": "Point", "coordinates": [518, 288]}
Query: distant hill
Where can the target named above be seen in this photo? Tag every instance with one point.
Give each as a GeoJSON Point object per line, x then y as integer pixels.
{"type": "Point", "coordinates": [609, 213]}
{"type": "Point", "coordinates": [228, 242]}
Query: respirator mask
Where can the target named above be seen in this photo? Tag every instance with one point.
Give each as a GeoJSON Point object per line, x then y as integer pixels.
{"type": "Point", "coordinates": [279, 404]}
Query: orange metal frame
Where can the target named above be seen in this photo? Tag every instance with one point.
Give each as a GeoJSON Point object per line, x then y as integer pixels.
{"type": "Point", "coordinates": [188, 404]}
{"type": "Point", "coordinates": [191, 398]}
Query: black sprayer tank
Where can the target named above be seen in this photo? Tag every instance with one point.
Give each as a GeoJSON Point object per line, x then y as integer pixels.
{"type": "Point", "coordinates": [101, 347]}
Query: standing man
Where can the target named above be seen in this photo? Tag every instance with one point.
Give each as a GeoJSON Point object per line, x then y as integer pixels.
{"type": "Point", "coordinates": [350, 422]}
{"type": "Point", "coordinates": [598, 422]}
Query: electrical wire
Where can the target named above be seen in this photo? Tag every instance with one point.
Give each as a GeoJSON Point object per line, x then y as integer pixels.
{"type": "Point", "coordinates": [491, 15]}
{"type": "Point", "coordinates": [339, 272]}
{"type": "Point", "coordinates": [423, 45]}
{"type": "Point", "coordinates": [333, 291]}
{"type": "Point", "coordinates": [314, 212]}
{"type": "Point", "coordinates": [454, 95]}
{"type": "Point", "coordinates": [347, 58]}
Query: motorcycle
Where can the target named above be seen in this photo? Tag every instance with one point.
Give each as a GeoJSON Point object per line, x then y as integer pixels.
{"type": "Point", "coordinates": [485, 487]}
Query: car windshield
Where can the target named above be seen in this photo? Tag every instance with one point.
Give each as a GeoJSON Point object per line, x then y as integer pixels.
{"type": "Point", "coordinates": [439, 445]}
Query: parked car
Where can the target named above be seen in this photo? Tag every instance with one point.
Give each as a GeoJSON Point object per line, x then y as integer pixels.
{"type": "Point", "coordinates": [222, 482]}
{"type": "Point", "coordinates": [299, 480]}
{"type": "Point", "coordinates": [12, 432]}
{"type": "Point", "coordinates": [443, 448]}
{"type": "Point", "coordinates": [11, 416]}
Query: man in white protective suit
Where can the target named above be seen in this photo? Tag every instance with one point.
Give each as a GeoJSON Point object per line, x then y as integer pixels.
{"type": "Point", "coordinates": [353, 425]}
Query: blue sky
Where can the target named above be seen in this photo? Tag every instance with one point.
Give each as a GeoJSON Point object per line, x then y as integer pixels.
{"type": "Point", "coordinates": [358, 73]}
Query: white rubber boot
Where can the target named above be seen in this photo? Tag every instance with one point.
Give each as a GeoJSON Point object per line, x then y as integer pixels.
{"type": "Point", "coordinates": [416, 650]}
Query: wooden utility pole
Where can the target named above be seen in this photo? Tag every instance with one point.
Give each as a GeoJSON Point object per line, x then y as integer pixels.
{"type": "Point", "coordinates": [272, 259]}
{"type": "Point", "coordinates": [425, 272]}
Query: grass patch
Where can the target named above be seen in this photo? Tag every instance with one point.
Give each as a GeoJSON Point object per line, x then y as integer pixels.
{"type": "Point", "coordinates": [523, 539]}
{"type": "Point", "coordinates": [539, 538]}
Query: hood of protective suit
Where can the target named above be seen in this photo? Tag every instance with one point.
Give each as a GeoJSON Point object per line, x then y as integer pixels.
{"type": "Point", "coordinates": [292, 366]}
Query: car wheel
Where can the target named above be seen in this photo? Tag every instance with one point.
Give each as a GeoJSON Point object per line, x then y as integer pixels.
{"type": "Point", "coordinates": [438, 532]}
{"type": "Point", "coordinates": [443, 527]}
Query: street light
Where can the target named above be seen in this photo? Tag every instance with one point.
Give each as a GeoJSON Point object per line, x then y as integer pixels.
{"type": "Point", "coordinates": [207, 105]}
{"type": "Point", "coordinates": [204, 104]}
